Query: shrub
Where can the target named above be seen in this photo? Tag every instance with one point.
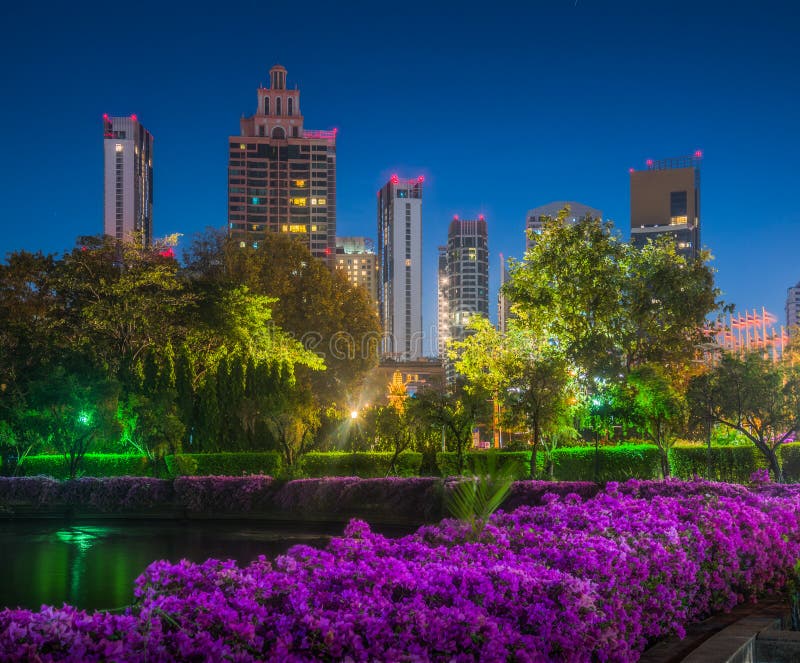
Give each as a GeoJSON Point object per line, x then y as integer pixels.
{"type": "Point", "coordinates": [213, 494]}
{"type": "Point", "coordinates": [401, 499]}
{"type": "Point", "coordinates": [93, 465]}
{"type": "Point", "coordinates": [732, 464]}
{"type": "Point", "coordinates": [233, 464]}
{"type": "Point", "coordinates": [476, 462]}
{"type": "Point", "coordinates": [619, 463]}
{"type": "Point", "coordinates": [364, 464]}
{"type": "Point", "coordinates": [789, 455]}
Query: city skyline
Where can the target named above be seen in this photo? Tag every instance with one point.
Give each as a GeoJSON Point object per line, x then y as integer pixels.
{"type": "Point", "coordinates": [610, 105]}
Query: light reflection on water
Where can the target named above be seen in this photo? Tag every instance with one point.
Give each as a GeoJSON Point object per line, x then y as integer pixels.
{"type": "Point", "coordinates": [94, 566]}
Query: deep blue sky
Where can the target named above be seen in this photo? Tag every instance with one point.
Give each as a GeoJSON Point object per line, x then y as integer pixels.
{"type": "Point", "coordinates": [502, 107]}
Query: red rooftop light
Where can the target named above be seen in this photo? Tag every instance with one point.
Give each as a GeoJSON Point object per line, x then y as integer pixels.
{"type": "Point", "coordinates": [421, 178]}
{"type": "Point", "coordinates": [481, 217]}
{"type": "Point", "coordinates": [698, 154]}
{"type": "Point", "coordinates": [395, 179]}
{"type": "Point", "coordinates": [134, 118]}
{"type": "Point", "coordinates": [649, 162]}
{"type": "Point", "coordinates": [455, 217]}
{"type": "Point", "coordinates": [105, 116]}
{"type": "Point", "coordinates": [630, 170]}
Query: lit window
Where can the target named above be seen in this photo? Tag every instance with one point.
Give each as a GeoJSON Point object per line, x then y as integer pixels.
{"type": "Point", "coordinates": [313, 201]}
{"type": "Point", "coordinates": [300, 183]}
{"type": "Point", "coordinates": [408, 262]}
{"type": "Point", "coordinates": [255, 201]}
{"type": "Point", "coordinates": [297, 228]}
{"type": "Point", "coordinates": [118, 147]}
{"type": "Point", "coordinates": [285, 228]}
{"type": "Point", "coordinates": [321, 201]}
{"type": "Point", "coordinates": [313, 229]}
{"type": "Point", "coordinates": [298, 202]}
{"type": "Point", "coordinates": [242, 146]}
{"type": "Point", "coordinates": [242, 245]}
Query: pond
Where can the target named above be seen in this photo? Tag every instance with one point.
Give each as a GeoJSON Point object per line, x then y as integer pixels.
{"type": "Point", "coordinates": [93, 565]}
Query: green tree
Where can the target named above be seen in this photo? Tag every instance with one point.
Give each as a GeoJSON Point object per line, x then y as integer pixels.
{"type": "Point", "coordinates": [608, 306]}
{"type": "Point", "coordinates": [754, 396]}
{"type": "Point", "coordinates": [70, 410]}
{"type": "Point", "coordinates": [660, 411]}
{"type": "Point", "coordinates": [456, 413]}
{"type": "Point", "coordinates": [328, 315]}
{"type": "Point", "coordinates": [150, 425]}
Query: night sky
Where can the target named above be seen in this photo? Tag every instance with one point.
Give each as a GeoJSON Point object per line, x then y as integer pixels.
{"type": "Point", "coordinates": [502, 108]}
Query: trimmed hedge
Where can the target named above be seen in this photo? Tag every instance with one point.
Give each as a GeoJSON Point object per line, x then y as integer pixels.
{"type": "Point", "coordinates": [790, 461]}
{"type": "Point", "coordinates": [476, 462]}
{"type": "Point", "coordinates": [92, 465]}
{"type": "Point", "coordinates": [626, 461]}
{"type": "Point", "coordinates": [364, 464]}
{"type": "Point", "coordinates": [732, 464]}
{"type": "Point", "coordinates": [233, 464]}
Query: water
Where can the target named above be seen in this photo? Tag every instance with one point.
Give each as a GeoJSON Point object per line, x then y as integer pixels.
{"type": "Point", "coordinates": [93, 566]}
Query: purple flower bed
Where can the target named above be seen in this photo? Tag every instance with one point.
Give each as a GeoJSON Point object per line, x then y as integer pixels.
{"type": "Point", "coordinates": [571, 580]}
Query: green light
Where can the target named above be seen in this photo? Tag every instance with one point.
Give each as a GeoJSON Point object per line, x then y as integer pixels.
{"type": "Point", "coordinates": [84, 418]}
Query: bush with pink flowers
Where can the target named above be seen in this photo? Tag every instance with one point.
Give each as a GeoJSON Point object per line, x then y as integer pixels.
{"type": "Point", "coordinates": [571, 580]}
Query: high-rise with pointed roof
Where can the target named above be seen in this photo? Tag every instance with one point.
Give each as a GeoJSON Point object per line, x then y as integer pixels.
{"type": "Point", "coordinates": [282, 176]}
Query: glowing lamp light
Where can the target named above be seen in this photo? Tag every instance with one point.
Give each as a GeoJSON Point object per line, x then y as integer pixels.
{"type": "Point", "coordinates": [134, 118]}
{"type": "Point", "coordinates": [395, 179]}
{"type": "Point", "coordinates": [327, 251]}
{"type": "Point", "coordinates": [83, 248]}
{"type": "Point", "coordinates": [481, 217]}
{"type": "Point", "coordinates": [630, 170]}
{"type": "Point", "coordinates": [84, 418]}
{"type": "Point", "coordinates": [167, 253]}
{"type": "Point", "coordinates": [421, 178]}
{"type": "Point", "coordinates": [105, 116]}
{"type": "Point", "coordinates": [649, 162]}
{"type": "Point", "coordinates": [698, 154]}
{"type": "Point", "coordinates": [354, 414]}
{"type": "Point", "coordinates": [455, 217]}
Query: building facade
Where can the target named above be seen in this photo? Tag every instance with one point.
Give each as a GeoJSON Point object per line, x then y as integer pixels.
{"type": "Point", "coordinates": [128, 179]}
{"type": "Point", "coordinates": [535, 218]}
{"type": "Point", "coordinates": [503, 303]}
{"type": "Point", "coordinates": [467, 273]}
{"type": "Point", "coordinates": [355, 256]}
{"type": "Point", "coordinates": [793, 306]}
{"type": "Point", "coordinates": [282, 176]}
{"type": "Point", "coordinates": [665, 200]}
{"type": "Point", "coordinates": [400, 268]}
{"type": "Point", "coordinates": [442, 316]}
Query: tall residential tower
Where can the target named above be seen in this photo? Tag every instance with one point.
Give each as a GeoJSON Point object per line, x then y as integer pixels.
{"type": "Point", "coordinates": [128, 174]}
{"type": "Point", "coordinates": [400, 267]}
{"type": "Point", "coordinates": [282, 176]}
{"type": "Point", "coordinates": [665, 200]}
{"type": "Point", "coordinates": [467, 273]}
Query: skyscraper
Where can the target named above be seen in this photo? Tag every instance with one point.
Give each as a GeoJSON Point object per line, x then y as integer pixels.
{"type": "Point", "coordinates": [665, 200]}
{"type": "Point", "coordinates": [355, 256]}
{"type": "Point", "coordinates": [793, 306]}
{"type": "Point", "coordinates": [534, 220]}
{"type": "Point", "coordinates": [468, 273]}
{"type": "Point", "coordinates": [281, 176]}
{"type": "Point", "coordinates": [128, 175]}
{"type": "Point", "coordinates": [503, 303]}
{"type": "Point", "coordinates": [400, 266]}
{"type": "Point", "coordinates": [442, 318]}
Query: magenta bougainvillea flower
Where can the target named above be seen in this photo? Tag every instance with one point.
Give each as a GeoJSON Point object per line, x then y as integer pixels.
{"type": "Point", "coordinates": [592, 578]}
